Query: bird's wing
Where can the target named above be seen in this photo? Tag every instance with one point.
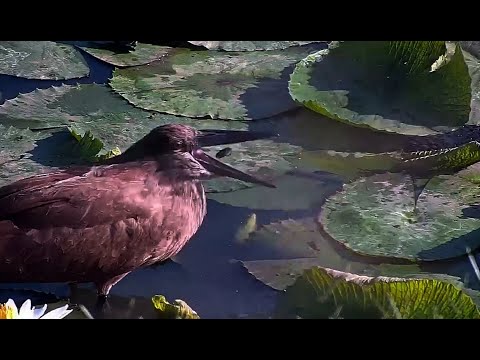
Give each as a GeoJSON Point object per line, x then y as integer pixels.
{"type": "Point", "coordinates": [82, 199]}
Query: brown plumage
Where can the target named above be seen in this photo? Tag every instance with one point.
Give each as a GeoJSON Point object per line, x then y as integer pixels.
{"type": "Point", "coordinates": [97, 224]}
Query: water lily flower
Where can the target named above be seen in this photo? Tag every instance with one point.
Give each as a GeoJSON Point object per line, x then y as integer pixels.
{"type": "Point", "coordinates": [10, 311]}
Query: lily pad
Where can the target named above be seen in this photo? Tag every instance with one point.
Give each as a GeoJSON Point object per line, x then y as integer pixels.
{"type": "Point", "coordinates": [178, 310]}
{"type": "Point", "coordinates": [235, 86]}
{"type": "Point", "coordinates": [394, 86]}
{"type": "Point", "coordinates": [43, 60]}
{"type": "Point", "coordinates": [96, 109]}
{"type": "Point", "coordinates": [373, 216]}
{"type": "Point", "coordinates": [249, 45]}
{"type": "Point", "coordinates": [279, 252]}
{"type": "Point", "coordinates": [323, 293]}
{"type": "Point", "coordinates": [143, 54]}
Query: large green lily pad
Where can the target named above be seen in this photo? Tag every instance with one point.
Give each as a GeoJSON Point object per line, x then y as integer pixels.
{"type": "Point", "coordinates": [326, 293]}
{"type": "Point", "coordinates": [236, 86]}
{"type": "Point", "coordinates": [143, 54]}
{"type": "Point", "coordinates": [373, 216]}
{"type": "Point", "coordinates": [43, 60]}
{"type": "Point", "coordinates": [95, 108]}
{"type": "Point", "coordinates": [408, 87]}
{"type": "Point", "coordinates": [249, 45]}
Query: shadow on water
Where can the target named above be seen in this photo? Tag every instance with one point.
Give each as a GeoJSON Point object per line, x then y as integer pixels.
{"type": "Point", "coordinates": [57, 150]}
{"type": "Point", "coordinates": [313, 131]}
{"type": "Point", "coordinates": [472, 212]}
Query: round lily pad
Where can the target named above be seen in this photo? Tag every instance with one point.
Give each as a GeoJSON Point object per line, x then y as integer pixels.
{"type": "Point", "coordinates": [236, 86]}
{"type": "Point", "coordinates": [327, 293]}
{"type": "Point", "coordinates": [43, 60]}
{"type": "Point", "coordinates": [143, 54]}
{"type": "Point", "coordinates": [111, 119]}
{"type": "Point", "coordinates": [408, 87]}
{"type": "Point", "coordinates": [374, 216]}
{"type": "Point", "coordinates": [249, 45]}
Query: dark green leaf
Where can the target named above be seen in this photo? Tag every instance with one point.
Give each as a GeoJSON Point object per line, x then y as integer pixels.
{"type": "Point", "coordinates": [387, 85]}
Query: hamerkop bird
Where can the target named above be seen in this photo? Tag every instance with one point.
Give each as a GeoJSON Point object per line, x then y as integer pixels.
{"type": "Point", "coordinates": [97, 224]}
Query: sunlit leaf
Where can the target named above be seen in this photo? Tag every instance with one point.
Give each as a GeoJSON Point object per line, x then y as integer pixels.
{"type": "Point", "coordinates": [326, 293]}
{"type": "Point", "coordinates": [178, 310]}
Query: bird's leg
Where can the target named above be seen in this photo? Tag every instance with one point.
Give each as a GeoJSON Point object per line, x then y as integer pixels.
{"type": "Point", "coordinates": [103, 289]}
{"type": "Point", "coordinates": [73, 289]}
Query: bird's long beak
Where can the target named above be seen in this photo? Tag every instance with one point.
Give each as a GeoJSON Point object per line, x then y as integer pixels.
{"type": "Point", "coordinates": [220, 169]}
{"type": "Point", "coordinates": [221, 137]}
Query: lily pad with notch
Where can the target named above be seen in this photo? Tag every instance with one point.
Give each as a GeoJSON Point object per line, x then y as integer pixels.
{"type": "Point", "coordinates": [374, 216]}
{"type": "Point", "coordinates": [42, 60]}
{"type": "Point", "coordinates": [408, 87]}
{"type": "Point", "coordinates": [219, 85]}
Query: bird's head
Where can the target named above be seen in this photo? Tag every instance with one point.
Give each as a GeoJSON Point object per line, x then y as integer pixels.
{"type": "Point", "coordinates": [177, 138]}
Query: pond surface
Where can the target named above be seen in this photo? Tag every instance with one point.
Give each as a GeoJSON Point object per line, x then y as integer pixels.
{"type": "Point", "coordinates": [207, 273]}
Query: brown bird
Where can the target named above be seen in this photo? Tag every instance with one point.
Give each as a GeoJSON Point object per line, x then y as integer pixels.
{"type": "Point", "coordinates": [99, 223]}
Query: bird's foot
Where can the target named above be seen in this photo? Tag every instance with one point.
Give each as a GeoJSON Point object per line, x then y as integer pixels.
{"type": "Point", "coordinates": [102, 306]}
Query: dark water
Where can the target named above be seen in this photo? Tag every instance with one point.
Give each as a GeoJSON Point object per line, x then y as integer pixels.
{"type": "Point", "coordinates": [203, 274]}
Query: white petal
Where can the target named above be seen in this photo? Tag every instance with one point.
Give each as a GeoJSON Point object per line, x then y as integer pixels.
{"type": "Point", "coordinates": [38, 312]}
{"type": "Point", "coordinates": [10, 303]}
{"type": "Point", "coordinates": [59, 313]}
{"type": "Point", "coordinates": [26, 311]}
